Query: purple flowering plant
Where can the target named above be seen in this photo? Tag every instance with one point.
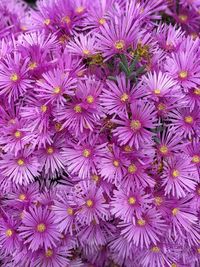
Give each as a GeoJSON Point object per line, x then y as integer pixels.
{"type": "Point", "coordinates": [100, 133]}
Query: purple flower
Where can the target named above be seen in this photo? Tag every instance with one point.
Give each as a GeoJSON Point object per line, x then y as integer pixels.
{"type": "Point", "coordinates": [39, 228]}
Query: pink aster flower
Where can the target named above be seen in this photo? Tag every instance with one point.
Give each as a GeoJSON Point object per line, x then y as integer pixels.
{"type": "Point", "coordinates": [184, 68]}
{"type": "Point", "coordinates": [117, 96]}
{"type": "Point", "coordinates": [192, 98]}
{"type": "Point", "coordinates": [55, 85]}
{"type": "Point", "coordinates": [185, 121]}
{"type": "Point", "coordinates": [51, 158]}
{"type": "Point", "coordinates": [22, 168]}
{"type": "Point", "coordinates": [160, 85]}
{"type": "Point", "coordinates": [82, 158]}
{"type": "Point", "coordinates": [170, 143]}
{"type": "Point", "coordinates": [146, 229]}
{"type": "Point", "coordinates": [111, 165]}
{"type": "Point", "coordinates": [126, 205]}
{"type": "Point", "coordinates": [82, 45]}
{"type": "Point", "coordinates": [134, 131]}
{"type": "Point", "coordinates": [9, 239]}
{"type": "Point", "coordinates": [55, 257]}
{"type": "Point", "coordinates": [193, 151]}
{"type": "Point", "coordinates": [65, 214]}
{"type": "Point", "coordinates": [179, 176]}
{"type": "Point", "coordinates": [116, 36]}
{"type": "Point", "coordinates": [39, 228]}
{"type": "Point", "coordinates": [136, 175]}
{"type": "Point", "coordinates": [14, 81]}
{"type": "Point", "coordinates": [92, 204]}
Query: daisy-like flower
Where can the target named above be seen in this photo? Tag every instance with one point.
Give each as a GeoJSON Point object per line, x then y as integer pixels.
{"type": "Point", "coordinates": [192, 98]}
{"type": "Point", "coordinates": [193, 150]}
{"type": "Point", "coordinates": [181, 217]}
{"type": "Point", "coordinates": [82, 45]}
{"type": "Point", "coordinates": [116, 97]}
{"type": "Point", "coordinates": [136, 175]}
{"type": "Point", "coordinates": [169, 143]}
{"type": "Point", "coordinates": [83, 112]}
{"type": "Point", "coordinates": [111, 165]}
{"type": "Point", "coordinates": [116, 36]}
{"type": "Point", "coordinates": [126, 205]}
{"type": "Point", "coordinates": [160, 85]}
{"type": "Point", "coordinates": [92, 204]}
{"type": "Point", "coordinates": [65, 214]}
{"type": "Point", "coordinates": [22, 168]}
{"type": "Point", "coordinates": [39, 228]}
{"type": "Point", "coordinates": [179, 176]}
{"type": "Point", "coordinates": [51, 158]}
{"type": "Point", "coordinates": [135, 130]}
{"type": "Point", "coordinates": [184, 68]}
{"type": "Point", "coordinates": [14, 80]}
{"type": "Point", "coordinates": [55, 85]}
{"type": "Point", "coordinates": [22, 197]}
{"type": "Point", "coordinates": [185, 121]}
{"type": "Point", "coordinates": [146, 229]}
{"type": "Point", "coordinates": [82, 158]}
{"type": "Point", "coordinates": [9, 239]}
{"type": "Point", "coordinates": [55, 257]}
{"type": "Point", "coordinates": [169, 37]}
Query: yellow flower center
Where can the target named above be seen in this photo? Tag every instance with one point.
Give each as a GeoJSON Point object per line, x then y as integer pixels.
{"type": "Point", "coordinates": [41, 227]}
{"type": "Point", "coordinates": [66, 19]}
{"type": "Point", "coordinates": [80, 9]}
{"type": "Point", "coordinates": [175, 211]}
{"type": "Point", "coordinates": [163, 149]}
{"type": "Point", "coordinates": [158, 201]}
{"type": "Point", "coordinates": [175, 173]}
{"type": "Point", "coordinates": [124, 97]}
{"type": "Point", "coordinates": [183, 18]}
{"type": "Point", "coordinates": [119, 45]}
{"type": "Point", "coordinates": [89, 203]}
{"type": "Point", "coordinates": [9, 232]}
{"type": "Point", "coordinates": [198, 250]}
{"type": "Point", "coordinates": [155, 249]}
{"type": "Point", "coordinates": [116, 163]}
{"type": "Point", "coordinates": [18, 134]}
{"type": "Point", "coordinates": [127, 148]}
{"type": "Point", "coordinates": [198, 191]}
{"type": "Point", "coordinates": [20, 162]}
{"type": "Point", "coordinates": [22, 197]}
{"type": "Point", "coordinates": [135, 125]}
{"type": "Point", "coordinates": [58, 126]}
{"type": "Point", "coordinates": [32, 65]}
{"type": "Point", "coordinates": [183, 74]}
{"type": "Point", "coordinates": [49, 253]}
{"type": "Point", "coordinates": [195, 159]}
{"type": "Point", "coordinates": [157, 91]}
{"type": "Point", "coordinates": [50, 150]}
{"type": "Point", "coordinates": [90, 99]}
{"type": "Point", "coordinates": [47, 21]}
{"type": "Point", "coordinates": [188, 119]}
{"type": "Point", "coordinates": [161, 106]}
{"type": "Point", "coordinates": [70, 211]}
{"type": "Point", "coordinates": [132, 168]}
{"type": "Point", "coordinates": [131, 200]}
{"type": "Point", "coordinates": [197, 91]}
{"type": "Point", "coordinates": [86, 153]}
{"type": "Point", "coordinates": [95, 178]}
{"type": "Point", "coordinates": [78, 109]}
{"type": "Point", "coordinates": [141, 222]}
{"type": "Point", "coordinates": [173, 265]}
{"type": "Point", "coordinates": [57, 90]}
{"type": "Point", "coordinates": [102, 21]}
{"type": "Point", "coordinates": [86, 52]}
{"type": "Point", "coordinates": [14, 77]}
{"type": "Point", "coordinates": [43, 108]}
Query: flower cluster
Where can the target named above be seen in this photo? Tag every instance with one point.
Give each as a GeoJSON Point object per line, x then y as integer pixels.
{"type": "Point", "coordinates": [100, 133]}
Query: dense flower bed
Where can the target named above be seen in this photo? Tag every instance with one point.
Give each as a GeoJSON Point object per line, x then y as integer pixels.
{"type": "Point", "coordinates": [99, 133]}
